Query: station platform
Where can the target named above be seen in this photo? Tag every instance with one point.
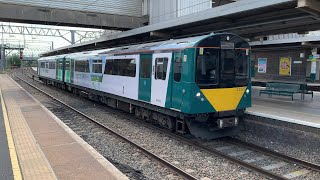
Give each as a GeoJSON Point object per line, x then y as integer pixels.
{"type": "Point", "coordinates": [37, 145]}
{"type": "Point", "coordinates": [304, 112]}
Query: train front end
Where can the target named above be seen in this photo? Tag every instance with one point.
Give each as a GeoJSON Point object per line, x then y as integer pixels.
{"type": "Point", "coordinates": [222, 89]}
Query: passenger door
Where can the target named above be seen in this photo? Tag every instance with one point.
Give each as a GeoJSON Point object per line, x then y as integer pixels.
{"type": "Point", "coordinates": [60, 69]}
{"type": "Point", "coordinates": [161, 64]}
{"type": "Point", "coordinates": [145, 77]}
{"type": "Point", "coordinates": [67, 70]}
{"type": "Point", "coordinates": [176, 95]}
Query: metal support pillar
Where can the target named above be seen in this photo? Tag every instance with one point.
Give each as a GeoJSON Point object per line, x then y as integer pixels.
{"type": "Point", "coordinates": [3, 51]}
{"type": "Point", "coordinates": [73, 41]}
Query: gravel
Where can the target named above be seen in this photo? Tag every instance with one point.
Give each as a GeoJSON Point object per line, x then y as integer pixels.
{"type": "Point", "coordinates": [191, 159]}
{"type": "Point", "coordinates": [302, 152]}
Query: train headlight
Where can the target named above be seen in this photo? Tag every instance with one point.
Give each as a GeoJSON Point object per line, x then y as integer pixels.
{"type": "Point", "coordinates": [236, 121]}
{"type": "Point", "coordinates": [198, 94]}
{"type": "Point", "coordinates": [247, 91]}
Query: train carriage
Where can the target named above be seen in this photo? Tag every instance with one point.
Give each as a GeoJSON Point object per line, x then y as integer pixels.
{"type": "Point", "coordinates": [198, 85]}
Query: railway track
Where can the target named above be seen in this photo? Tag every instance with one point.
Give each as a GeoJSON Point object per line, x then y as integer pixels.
{"type": "Point", "coordinates": [233, 150]}
{"type": "Point", "coordinates": [167, 164]}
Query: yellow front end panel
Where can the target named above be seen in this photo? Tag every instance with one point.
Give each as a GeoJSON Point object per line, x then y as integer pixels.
{"type": "Point", "coordinates": [224, 99]}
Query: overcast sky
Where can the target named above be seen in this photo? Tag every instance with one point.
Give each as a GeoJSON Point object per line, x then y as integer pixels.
{"type": "Point", "coordinates": [41, 43]}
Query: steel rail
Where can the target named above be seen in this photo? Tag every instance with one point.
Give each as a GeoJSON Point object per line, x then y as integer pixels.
{"type": "Point", "coordinates": [220, 154]}
{"type": "Point", "coordinates": [189, 142]}
{"type": "Point", "coordinates": [272, 153]}
{"type": "Point", "coordinates": [145, 151]}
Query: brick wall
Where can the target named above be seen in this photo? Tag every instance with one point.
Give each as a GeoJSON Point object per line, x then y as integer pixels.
{"type": "Point", "coordinates": [298, 70]}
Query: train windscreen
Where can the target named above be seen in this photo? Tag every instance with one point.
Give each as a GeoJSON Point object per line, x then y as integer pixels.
{"type": "Point", "coordinates": [224, 68]}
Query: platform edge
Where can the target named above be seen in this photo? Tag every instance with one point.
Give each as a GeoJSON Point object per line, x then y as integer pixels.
{"type": "Point", "coordinates": [12, 150]}
{"type": "Point", "coordinates": [96, 155]}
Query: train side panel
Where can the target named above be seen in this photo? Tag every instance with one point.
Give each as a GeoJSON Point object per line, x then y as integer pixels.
{"type": "Point", "coordinates": [48, 68]}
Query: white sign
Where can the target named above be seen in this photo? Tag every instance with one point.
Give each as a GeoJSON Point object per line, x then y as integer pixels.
{"type": "Point", "coordinates": [313, 67]}
{"type": "Point", "coordinates": [316, 56]}
{"type": "Point", "coordinates": [297, 62]}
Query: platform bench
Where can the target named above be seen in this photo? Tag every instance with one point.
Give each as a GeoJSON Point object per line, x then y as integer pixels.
{"type": "Point", "coordinates": [304, 90]}
{"type": "Point", "coordinates": [281, 89]}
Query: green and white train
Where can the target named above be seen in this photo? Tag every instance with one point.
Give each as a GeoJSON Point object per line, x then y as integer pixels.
{"type": "Point", "coordinates": [199, 85]}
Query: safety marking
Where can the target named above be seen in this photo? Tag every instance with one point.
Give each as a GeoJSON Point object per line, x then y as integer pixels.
{"type": "Point", "coordinates": [223, 148]}
{"type": "Point", "coordinates": [275, 166]}
{"type": "Point", "coordinates": [235, 154]}
{"type": "Point", "coordinates": [253, 160]}
{"type": "Point", "coordinates": [289, 111]}
{"type": "Point", "coordinates": [12, 150]}
{"type": "Point", "coordinates": [297, 173]}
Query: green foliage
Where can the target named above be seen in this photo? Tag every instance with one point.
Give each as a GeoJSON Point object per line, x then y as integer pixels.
{"type": "Point", "coordinates": [13, 60]}
{"type": "Point", "coordinates": [29, 63]}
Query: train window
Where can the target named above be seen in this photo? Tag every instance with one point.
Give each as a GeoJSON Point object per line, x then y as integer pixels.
{"type": "Point", "coordinates": [82, 66]}
{"type": "Point", "coordinates": [108, 68]}
{"type": "Point", "coordinates": [97, 66]}
{"type": "Point", "coordinates": [115, 67]}
{"type": "Point", "coordinates": [52, 65]}
{"type": "Point", "coordinates": [161, 68]}
{"type": "Point", "coordinates": [67, 65]}
{"type": "Point", "coordinates": [145, 68]}
{"type": "Point", "coordinates": [47, 65]}
{"type": "Point", "coordinates": [241, 67]}
{"type": "Point", "coordinates": [60, 66]}
{"type": "Point", "coordinates": [42, 65]}
{"type": "Point", "coordinates": [207, 66]}
{"type": "Point", "coordinates": [127, 67]}
{"type": "Point", "coordinates": [177, 66]}
{"type": "Point", "coordinates": [121, 67]}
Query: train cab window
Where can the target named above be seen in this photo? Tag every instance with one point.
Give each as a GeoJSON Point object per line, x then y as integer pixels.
{"type": "Point", "coordinates": [207, 66]}
{"type": "Point", "coordinates": [177, 66]}
{"type": "Point", "coordinates": [241, 67]}
{"type": "Point", "coordinates": [97, 66]}
{"type": "Point", "coordinates": [47, 65]}
{"type": "Point", "coordinates": [161, 68]}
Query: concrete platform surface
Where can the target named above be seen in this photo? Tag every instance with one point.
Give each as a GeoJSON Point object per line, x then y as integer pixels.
{"type": "Point", "coordinates": [6, 172]}
{"type": "Point", "coordinates": [305, 112]}
{"type": "Point", "coordinates": [45, 147]}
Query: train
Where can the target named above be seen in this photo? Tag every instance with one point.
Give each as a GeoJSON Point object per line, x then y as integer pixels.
{"type": "Point", "coordinates": [197, 85]}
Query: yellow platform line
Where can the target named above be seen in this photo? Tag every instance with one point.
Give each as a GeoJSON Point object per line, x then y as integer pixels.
{"type": "Point", "coordinates": [12, 150]}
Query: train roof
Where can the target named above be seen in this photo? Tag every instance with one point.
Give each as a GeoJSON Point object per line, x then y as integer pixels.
{"type": "Point", "coordinates": [162, 45]}
{"type": "Point", "coordinates": [78, 54]}
{"type": "Point", "coordinates": [172, 44]}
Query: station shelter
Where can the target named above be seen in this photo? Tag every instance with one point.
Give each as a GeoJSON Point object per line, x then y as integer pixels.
{"type": "Point", "coordinates": [286, 62]}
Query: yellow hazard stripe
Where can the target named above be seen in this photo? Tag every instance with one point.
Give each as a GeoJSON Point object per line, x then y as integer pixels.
{"type": "Point", "coordinates": [12, 150]}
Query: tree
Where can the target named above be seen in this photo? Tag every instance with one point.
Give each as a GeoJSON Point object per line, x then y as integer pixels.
{"type": "Point", "coordinates": [13, 60]}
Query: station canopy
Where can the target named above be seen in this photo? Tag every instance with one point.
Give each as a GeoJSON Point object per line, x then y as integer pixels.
{"type": "Point", "coordinates": [247, 18]}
